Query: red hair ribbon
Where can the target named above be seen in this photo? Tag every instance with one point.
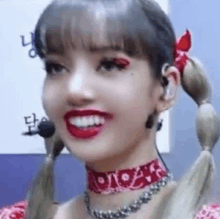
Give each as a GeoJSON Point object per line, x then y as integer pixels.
{"type": "Point", "coordinates": [180, 50]}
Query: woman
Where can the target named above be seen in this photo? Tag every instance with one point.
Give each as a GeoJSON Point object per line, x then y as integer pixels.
{"type": "Point", "coordinates": [112, 68]}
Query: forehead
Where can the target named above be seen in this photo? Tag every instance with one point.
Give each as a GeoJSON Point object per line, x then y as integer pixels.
{"type": "Point", "coordinates": [94, 27]}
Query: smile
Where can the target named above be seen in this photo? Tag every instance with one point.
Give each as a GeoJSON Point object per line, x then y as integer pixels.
{"type": "Point", "coordinates": [86, 124]}
{"type": "Point", "coordinates": [86, 121]}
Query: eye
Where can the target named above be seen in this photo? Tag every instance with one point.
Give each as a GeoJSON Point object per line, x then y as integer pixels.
{"type": "Point", "coordinates": [54, 68]}
{"type": "Point", "coordinates": [113, 65]}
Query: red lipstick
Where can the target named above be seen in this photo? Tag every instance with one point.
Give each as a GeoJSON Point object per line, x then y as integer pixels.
{"type": "Point", "coordinates": [89, 131]}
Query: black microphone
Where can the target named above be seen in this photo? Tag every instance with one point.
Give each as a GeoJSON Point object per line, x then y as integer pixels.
{"type": "Point", "coordinates": [45, 129]}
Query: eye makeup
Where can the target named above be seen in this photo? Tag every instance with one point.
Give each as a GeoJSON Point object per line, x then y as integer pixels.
{"type": "Point", "coordinates": [121, 62]}
{"type": "Point", "coordinates": [110, 64]}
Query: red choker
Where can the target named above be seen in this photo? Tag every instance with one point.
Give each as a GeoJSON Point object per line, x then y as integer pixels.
{"type": "Point", "coordinates": [125, 180]}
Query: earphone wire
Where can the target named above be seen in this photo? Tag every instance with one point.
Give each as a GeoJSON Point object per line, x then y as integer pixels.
{"type": "Point", "coordinates": [162, 159]}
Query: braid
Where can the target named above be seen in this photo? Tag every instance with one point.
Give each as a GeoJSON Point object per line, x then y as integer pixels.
{"type": "Point", "coordinates": [194, 187]}
{"type": "Point", "coordinates": [40, 197]}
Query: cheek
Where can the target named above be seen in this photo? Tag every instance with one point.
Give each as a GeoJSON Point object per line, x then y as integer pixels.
{"type": "Point", "coordinates": [134, 95]}
{"type": "Point", "coordinates": [50, 97]}
{"type": "Point", "coordinates": [131, 104]}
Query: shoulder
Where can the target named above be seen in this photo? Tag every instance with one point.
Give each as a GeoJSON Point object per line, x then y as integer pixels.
{"type": "Point", "coordinates": [211, 211]}
{"type": "Point", "coordinates": [75, 207]}
{"type": "Point", "coordinates": [15, 211]}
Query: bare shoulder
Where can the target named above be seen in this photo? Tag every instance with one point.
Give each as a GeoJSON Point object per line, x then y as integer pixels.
{"type": "Point", "coordinates": [73, 209]}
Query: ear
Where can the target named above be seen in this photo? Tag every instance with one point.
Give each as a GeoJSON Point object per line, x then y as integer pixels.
{"type": "Point", "coordinates": [168, 96]}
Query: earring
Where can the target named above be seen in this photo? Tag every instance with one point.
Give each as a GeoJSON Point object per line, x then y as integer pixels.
{"type": "Point", "coordinates": [150, 121]}
{"type": "Point", "coordinates": [159, 125]}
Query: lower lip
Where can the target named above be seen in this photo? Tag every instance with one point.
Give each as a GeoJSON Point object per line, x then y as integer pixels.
{"type": "Point", "coordinates": [91, 132]}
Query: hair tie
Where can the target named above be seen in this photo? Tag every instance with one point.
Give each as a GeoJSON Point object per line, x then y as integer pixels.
{"type": "Point", "coordinates": [50, 158]}
{"type": "Point", "coordinates": [180, 50]}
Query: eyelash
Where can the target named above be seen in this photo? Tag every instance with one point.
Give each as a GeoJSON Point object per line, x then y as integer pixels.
{"type": "Point", "coordinates": [120, 64]}
{"type": "Point", "coordinates": [54, 68]}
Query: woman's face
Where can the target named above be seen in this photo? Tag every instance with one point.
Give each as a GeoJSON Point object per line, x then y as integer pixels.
{"type": "Point", "coordinates": [99, 101]}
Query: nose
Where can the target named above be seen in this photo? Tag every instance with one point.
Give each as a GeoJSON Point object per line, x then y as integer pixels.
{"type": "Point", "coordinates": [79, 88]}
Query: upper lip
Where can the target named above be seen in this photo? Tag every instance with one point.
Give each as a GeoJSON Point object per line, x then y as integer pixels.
{"type": "Point", "coordinates": [86, 112]}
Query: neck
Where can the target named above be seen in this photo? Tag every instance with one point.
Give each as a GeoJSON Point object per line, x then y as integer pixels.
{"type": "Point", "coordinates": [144, 151]}
{"type": "Point", "coordinates": [127, 195]}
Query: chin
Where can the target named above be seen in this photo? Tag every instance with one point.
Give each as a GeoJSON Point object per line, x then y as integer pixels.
{"type": "Point", "coordinates": [89, 152]}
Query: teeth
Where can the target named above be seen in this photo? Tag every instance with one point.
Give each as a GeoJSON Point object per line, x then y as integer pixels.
{"type": "Point", "coordinates": [75, 121]}
{"type": "Point", "coordinates": [86, 121]}
{"type": "Point", "coordinates": [91, 120]}
{"type": "Point", "coordinates": [97, 120]}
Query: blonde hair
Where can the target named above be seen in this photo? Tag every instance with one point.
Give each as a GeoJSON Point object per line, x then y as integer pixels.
{"type": "Point", "coordinates": [41, 195]}
{"type": "Point", "coordinates": [193, 189]}
{"type": "Point", "coordinates": [156, 36]}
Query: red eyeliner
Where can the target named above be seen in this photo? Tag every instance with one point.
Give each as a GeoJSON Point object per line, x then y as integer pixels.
{"type": "Point", "coordinates": [121, 62]}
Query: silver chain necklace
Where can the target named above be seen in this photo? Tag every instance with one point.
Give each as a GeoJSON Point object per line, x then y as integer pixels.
{"type": "Point", "coordinates": [133, 207]}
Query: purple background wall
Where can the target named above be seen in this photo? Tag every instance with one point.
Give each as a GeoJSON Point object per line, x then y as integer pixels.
{"type": "Point", "coordinates": [16, 171]}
